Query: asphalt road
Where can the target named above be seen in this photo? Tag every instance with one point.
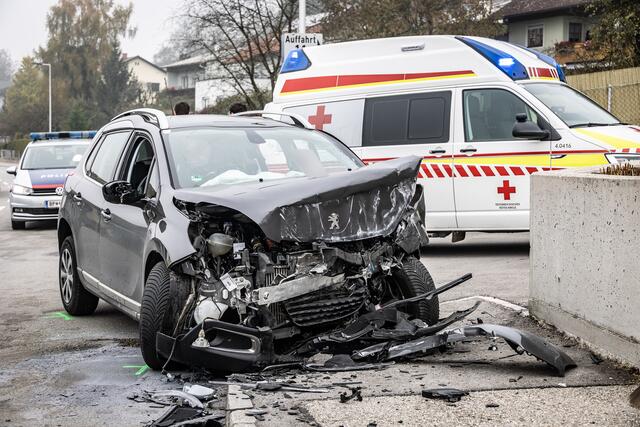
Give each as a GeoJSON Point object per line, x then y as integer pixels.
{"type": "Point", "coordinates": [62, 370]}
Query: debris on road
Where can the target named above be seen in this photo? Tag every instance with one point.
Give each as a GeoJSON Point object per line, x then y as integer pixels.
{"type": "Point", "coordinates": [634, 398]}
{"type": "Point", "coordinates": [355, 394]}
{"type": "Point", "coordinates": [448, 394]}
{"type": "Point", "coordinates": [202, 393]}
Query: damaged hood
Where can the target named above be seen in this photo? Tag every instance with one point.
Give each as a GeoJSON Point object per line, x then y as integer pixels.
{"type": "Point", "coordinates": [363, 203]}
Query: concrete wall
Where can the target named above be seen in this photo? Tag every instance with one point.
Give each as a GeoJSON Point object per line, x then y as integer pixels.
{"type": "Point", "coordinates": [585, 258]}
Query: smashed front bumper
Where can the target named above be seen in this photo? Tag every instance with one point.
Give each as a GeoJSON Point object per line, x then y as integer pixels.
{"type": "Point", "coordinates": [232, 348]}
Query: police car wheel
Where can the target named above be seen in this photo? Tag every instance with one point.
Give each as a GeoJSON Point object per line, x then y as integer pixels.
{"type": "Point", "coordinates": [18, 225]}
{"type": "Point", "coordinates": [414, 279]}
{"type": "Point", "coordinates": [76, 300]}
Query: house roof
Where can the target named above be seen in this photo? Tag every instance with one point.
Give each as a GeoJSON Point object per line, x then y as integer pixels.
{"type": "Point", "coordinates": [148, 62]}
{"type": "Point", "coordinates": [192, 60]}
{"type": "Point", "coordinates": [521, 8]}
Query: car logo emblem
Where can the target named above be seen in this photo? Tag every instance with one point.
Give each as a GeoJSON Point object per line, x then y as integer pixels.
{"type": "Point", "coordinates": [59, 191]}
{"type": "Point", "coordinates": [333, 219]}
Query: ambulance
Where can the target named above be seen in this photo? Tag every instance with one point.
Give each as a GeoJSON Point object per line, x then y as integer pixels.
{"type": "Point", "coordinates": [484, 114]}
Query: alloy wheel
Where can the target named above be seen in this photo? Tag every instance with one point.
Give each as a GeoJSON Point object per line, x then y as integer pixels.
{"type": "Point", "coordinates": [66, 275]}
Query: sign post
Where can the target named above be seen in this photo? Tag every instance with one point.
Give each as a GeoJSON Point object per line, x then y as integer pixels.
{"type": "Point", "coordinates": [290, 41]}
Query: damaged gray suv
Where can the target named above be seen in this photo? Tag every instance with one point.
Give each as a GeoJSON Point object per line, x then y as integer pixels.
{"type": "Point", "coordinates": [236, 241]}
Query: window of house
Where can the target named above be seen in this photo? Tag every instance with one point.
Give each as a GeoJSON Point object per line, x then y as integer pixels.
{"type": "Point", "coordinates": [575, 32]}
{"type": "Point", "coordinates": [185, 82]}
{"type": "Point", "coordinates": [535, 36]}
{"type": "Point", "coordinates": [153, 87]}
{"type": "Point", "coordinates": [421, 118]}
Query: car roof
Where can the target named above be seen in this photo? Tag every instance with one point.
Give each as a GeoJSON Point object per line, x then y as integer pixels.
{"type": "Point", "coordinates": [219, 120]}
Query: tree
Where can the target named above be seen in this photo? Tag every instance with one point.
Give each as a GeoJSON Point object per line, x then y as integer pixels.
{"type": "Point", "coordinates": [242, 40]}
{"type": "Point", "coordinates": [616, 37]}
{"type": "Point", "coordinates": [6, 65]}
{"type": "Point", "coordinates": [361, 19]}
{"type": "Point", "coordinates": [166, 55]}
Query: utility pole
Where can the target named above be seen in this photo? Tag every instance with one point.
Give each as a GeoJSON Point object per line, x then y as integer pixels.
{"type": "Point", "coordinates": [47, 65]}
{"type": "Point", "coordinates": [302, 16]}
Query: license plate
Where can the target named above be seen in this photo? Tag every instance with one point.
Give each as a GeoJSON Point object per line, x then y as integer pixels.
{"type": "Point", "coordinates": [52, 204]}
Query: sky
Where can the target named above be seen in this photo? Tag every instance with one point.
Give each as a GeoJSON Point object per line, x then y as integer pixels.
{"type": "Point", "coordinates": [23, 26]}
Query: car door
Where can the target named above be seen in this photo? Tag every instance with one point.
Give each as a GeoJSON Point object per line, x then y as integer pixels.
{"type": "Point", "coordinates": [416, 124]}
{"type": "Point", "coordinates": [87, 195]}
{"type": "Point", "coordinates": [124, 227]}
{"type": "Point", "coordinates": [492, 168]}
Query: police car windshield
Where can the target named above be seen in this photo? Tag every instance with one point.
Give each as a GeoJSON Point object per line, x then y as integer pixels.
{"type": "Point", "coordinates": [63, 156]}
{"type": "Point", "coordinates": [218, 156]}
{"type": "Point", "coordinates": [573, 108]}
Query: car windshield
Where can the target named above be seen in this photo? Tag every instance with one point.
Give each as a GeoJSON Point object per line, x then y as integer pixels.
{"type": "Point", "coordinates": [64, 156]}
{"type": "Point", "coordinates": [573, 108]}
{"type": "Point", "coordinates": [216, 156]}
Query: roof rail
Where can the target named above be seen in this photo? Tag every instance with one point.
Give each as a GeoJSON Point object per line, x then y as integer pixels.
{"type": "Point", "coordinates": [297, 119]}
{"type": "Point", "coordinates": [154, 116]}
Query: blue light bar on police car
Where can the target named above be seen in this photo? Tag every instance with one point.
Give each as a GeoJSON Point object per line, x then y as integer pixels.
{"type": "Point", "coordinates": [296, 61]}
{"type": "Point", "coordinates": [505, 62]}
{"type": "Point", "coordinates": [547, 59]}
{"type": "Point", "coordinates": [78, 134]}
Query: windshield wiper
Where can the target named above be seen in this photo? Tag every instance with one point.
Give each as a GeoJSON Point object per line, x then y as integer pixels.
{"type": "Point", "coordinates": [591, 124]}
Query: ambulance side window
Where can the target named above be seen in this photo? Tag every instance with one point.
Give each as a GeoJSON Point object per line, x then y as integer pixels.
{"type": "Point", "coordinates": [489, 114]}
{"type": "Point", "coordinates": [421, 118]}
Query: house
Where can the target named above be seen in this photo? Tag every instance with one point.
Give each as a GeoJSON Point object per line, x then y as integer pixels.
{"type": "Point", "coordinates": [555, 27]}
{"type": "Point", "coordinates": [184, 74]}
{"type": "Point", "coordinates": [151, 78]}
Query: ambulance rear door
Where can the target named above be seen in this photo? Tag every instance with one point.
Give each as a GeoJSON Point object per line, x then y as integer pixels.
{"type": "Point", "coordinates": [492, 169]}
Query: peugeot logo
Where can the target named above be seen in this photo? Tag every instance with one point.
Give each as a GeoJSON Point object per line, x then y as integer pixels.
{"type": "Point", "coordinates": [333, 219]}
{"type": "Point", "coordinates": [59, 191]}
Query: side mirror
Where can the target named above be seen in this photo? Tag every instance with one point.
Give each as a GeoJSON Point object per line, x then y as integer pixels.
{"type": "Point", "coordinates": [524, 128]}
{"type": "Point", "coordinates": [11, 170]}
{"type": "Point", "coordinates": [120, 192]}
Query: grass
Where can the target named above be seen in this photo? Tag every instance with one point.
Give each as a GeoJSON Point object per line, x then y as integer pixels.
{"type": "Point", "coordinates": [624, 169]}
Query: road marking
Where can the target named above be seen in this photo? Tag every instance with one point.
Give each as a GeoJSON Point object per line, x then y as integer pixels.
{"type": "Point", "coordinates": [506, 304]}
{"type": "Point", "coordinates": [141, 369]}
{"type": "Point", "coordinates": [59, 315]}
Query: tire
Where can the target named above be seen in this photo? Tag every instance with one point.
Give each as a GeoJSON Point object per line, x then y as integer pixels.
{"type": "Point", "coordinates": [156, 314]}
{"type": "Point", "coordinates": [77, 301]}
{"type": "Point", "coordinates": [18, 225]}
{"type": "Point", "coordinates": [414, 279]}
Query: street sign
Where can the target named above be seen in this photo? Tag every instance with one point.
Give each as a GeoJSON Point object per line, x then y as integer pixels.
{"type": "Point", "coordinates": [290, 41]}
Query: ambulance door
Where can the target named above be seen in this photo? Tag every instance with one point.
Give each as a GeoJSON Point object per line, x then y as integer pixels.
{"type": "Point", "coordinates": [492, 168]}
{"type": "Point", "coordinates": [416, 124]}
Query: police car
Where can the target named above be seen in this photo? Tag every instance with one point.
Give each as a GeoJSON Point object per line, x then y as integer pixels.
{"type": "Point", "coordinates": [484, 115]}
{"type": "Point", "coordinates": [39, 177]}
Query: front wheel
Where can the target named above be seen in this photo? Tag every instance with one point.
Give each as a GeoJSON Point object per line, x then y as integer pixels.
{"type": "Point", "coordinates": [75, 298]}
{"type": "Point", "coordinates": [413, 279]}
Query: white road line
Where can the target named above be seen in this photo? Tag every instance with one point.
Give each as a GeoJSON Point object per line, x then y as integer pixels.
{"type": "Point", "coordinates": [498, 301]}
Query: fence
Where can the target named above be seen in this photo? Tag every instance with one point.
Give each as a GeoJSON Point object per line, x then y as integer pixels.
{"type": "Point", "coordinates": [618, 91]}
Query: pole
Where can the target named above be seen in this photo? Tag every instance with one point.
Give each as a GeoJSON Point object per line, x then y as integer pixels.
{"type": "Point", "coordinates": [302, 16]}
{"type": "Point", "coordinates": [49, 96]}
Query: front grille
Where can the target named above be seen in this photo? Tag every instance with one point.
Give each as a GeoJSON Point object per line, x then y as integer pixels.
{"type": "Point", "coordinates": [279, 271]}
{"type": "Point", "coordinates": [44, 191]}
{"type": "Point", "coordinates": [278, 313]}
{"type": "Point", "coordinates": [37, 211]}
{"type": "Point", "coordinates": [325, 306]}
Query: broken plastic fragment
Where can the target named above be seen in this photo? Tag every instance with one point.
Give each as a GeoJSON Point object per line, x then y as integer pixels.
{"type": "Point", "coordinates": [202, 393]}
{"type": "Point", "coordinates": [448, 394]}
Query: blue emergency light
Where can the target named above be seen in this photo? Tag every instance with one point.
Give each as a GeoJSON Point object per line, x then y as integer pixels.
{"type": "Point", "coordinates": [505, 62]}
{"type": "Point", "coordinates": [77, 134]}
{"type": "Point", "coordinates": [547, 59]}
{"type": "Point", "coordinates": [296, 61]}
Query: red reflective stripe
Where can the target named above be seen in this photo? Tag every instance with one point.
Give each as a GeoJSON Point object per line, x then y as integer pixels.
{"type": "Point", "coordinates": [516, 170]}
{"type": "Point", "coordinates": [531, 169]}
{"type": "Point", "coordinates": [306, 83]}
{"type": "Point", "coordinates": [448, 170]}
{"type": "Point", "coordinates": [625, 150]}
{"type": "Point", "coordinates": [487, 171]}
{"type": "Point", "coordinates": [435, 74]}
{"type": "Point", "coordinates": [474, 171]}
{"type": "Point", "coordinates": [502, 171]}
{"type": "Point", "coordinates": [437, 171]}
{"type": "Point", "coordinates": [461, 171]}
{"type": "Point", "coordinates": [426, 171]}
{"type": "Point", "coordinates": [544, 72]}
{"type": "Point", "coordinates": [357, 79]}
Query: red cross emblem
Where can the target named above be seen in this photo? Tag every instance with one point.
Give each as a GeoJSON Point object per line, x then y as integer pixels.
{"type": "Point", "coordinates": [506, 190]}
{"type": "Point", "coordinates": [320, 119]}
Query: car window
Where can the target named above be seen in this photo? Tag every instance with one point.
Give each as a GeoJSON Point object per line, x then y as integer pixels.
{"type": "Point", "coordinates": [407, 119]}
{"type": "Point", "coordinates": [138, 163]}
{"type": "Point", "coordinates": [489, 114]}
{"type": "Point", "coordinates": [153, 182]}
{"type": "Point", "coordinates": [106, 158]}
{"type": "Point", "coordinates": [53, 156]}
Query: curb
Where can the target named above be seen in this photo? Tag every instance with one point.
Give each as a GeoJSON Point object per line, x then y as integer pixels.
{"type": "Point", "coordinates": [237, 403]}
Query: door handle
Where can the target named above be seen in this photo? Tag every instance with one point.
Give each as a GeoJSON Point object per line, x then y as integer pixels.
{"type": "Point", "coordinates": [468, 150]}
{"type": "Point", "coordinates": [437, 151]}
{"type": "Point", "coordinates": [77, 197]}
{"type": "Point", "coordinates": [558, 156]}
{"type": "Point", "coordinates": [106, 214]}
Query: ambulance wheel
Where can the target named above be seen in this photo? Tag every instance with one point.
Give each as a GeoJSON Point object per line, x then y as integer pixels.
{"type": "Point", "coordinates": [414, 279]}
{"type": "Point", "coordinates": [18, 225]}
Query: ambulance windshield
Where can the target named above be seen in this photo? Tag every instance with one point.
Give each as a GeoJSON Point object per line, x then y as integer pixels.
{"type": "Point", "coordinates": [573, 108]}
